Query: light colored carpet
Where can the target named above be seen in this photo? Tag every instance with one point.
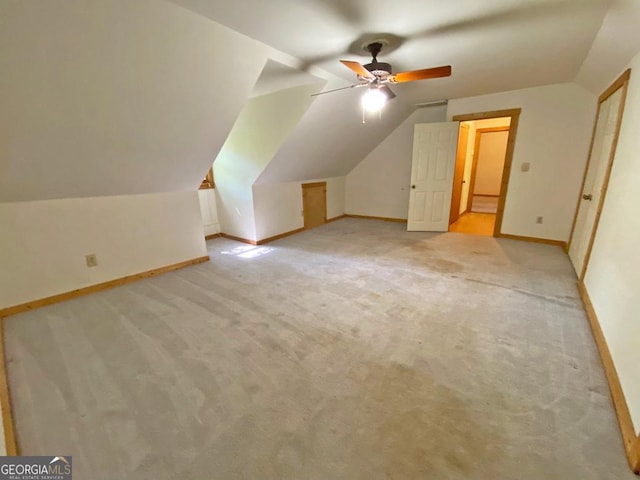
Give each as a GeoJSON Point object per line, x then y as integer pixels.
{"type": "Point", "coordinates": [484, 204]}
{"type": "Point", "coordinates": [352, 351]}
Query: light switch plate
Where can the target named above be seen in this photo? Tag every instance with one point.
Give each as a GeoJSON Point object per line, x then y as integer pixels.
{"type": "Point", "coordinates": [525, 166]}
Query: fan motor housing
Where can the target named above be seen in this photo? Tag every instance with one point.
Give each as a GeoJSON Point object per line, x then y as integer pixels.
{"type": "Point", "coordinates": [379, 68]}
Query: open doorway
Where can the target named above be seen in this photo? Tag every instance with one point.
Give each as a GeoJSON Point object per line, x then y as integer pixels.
{"type": "Point", "coordinates": [488, 164]}
{"type": "Point", "coordinates": [483, 164]}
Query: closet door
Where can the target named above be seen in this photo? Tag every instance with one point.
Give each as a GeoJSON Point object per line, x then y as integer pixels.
{"type": "Point", "coordinates": [603, 148]}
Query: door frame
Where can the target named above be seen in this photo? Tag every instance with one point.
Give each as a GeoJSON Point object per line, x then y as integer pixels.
{"type": "Point", "coordinates": [621, 82]}
{"type": "Point", "coordinates": [476, 154]}
{"type": "Point", "coordinates": [458, 180]}
{"type": "Point", "coordinates": [514, 114]}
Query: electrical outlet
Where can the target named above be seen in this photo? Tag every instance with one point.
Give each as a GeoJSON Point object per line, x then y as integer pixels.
{"type": "Point", "coordinates": [525, 168]}
{"type": "Point", "coordinates": [539, 220]}
{"type": "Point", "coordinates": [92, 260]}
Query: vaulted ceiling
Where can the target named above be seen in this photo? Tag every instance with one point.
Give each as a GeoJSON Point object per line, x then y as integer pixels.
{"type": "Point", "coordinates": [109, 98]}
{"type": "Point", "coordinates": [492, 45]}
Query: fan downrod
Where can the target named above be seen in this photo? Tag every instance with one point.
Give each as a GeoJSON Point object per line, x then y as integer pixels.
{"type": "Point", "coordinates": [374, 49]}
{"type": "Point", "coordinates": [379, 69]}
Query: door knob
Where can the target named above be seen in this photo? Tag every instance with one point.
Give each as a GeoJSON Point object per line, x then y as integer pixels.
{"type": "Point", "coordinates": [587, 197]}
{"type": "Point", "coordinates": [413, 186]}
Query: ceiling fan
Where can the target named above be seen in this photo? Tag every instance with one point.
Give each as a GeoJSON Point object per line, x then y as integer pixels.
{"type": "Point", "coordinates": [376, 75]}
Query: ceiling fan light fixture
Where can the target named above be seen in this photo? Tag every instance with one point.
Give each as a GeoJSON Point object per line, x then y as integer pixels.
{"type": "Point", "coordinates": [373, 100]}
{"type": "Point", "coordinates": [378, 75]}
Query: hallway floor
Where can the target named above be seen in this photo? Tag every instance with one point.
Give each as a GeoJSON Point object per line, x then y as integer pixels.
{"type": "Point", "coordinates": [474, 224]}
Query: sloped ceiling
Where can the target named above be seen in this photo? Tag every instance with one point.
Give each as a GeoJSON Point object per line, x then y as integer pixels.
{"type": "Point", "coordinates": [115, 97]}
{"type": "Point", "coordinates": [258, 133]}
{"type": "Point", "coordinates": [616, 43]}
{"type": "Point", "coordinates": [275, 76]}
{"type": "Point", "coordinates": [261, 128]}
{"type": "Point", "coordinates": [331, 139]}
{"type": "Point", "coordinates": [120, 97]}
{"type": "Point", "coordinates": [492, 45]}
{"type": "Point", "coordinates": [327, 138]}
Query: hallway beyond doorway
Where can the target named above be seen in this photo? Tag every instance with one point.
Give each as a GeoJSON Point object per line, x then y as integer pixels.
{"type": "Point", "coordinates": [469, 184]}
{"type": "Point", "coordinates": [484, 204]}
{"type": "Point", "coordinates": [475, 224]}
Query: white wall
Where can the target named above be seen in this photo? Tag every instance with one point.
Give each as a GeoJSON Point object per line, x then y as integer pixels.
{"type": "Point", "coordinates": [209, 211]}
{"type": "Point", "coordinates": [278, 206]}
{"type": "Point", "coordinates": [379, 185]}
{"type": "Point", "coordinates": [43, 243]}
{"type": "Point", "coordinates": [613, 275]}
{"type": "Point", "coordinates": [553, 136]}
{"type": "Point", "coordinates": [258, 133]}
{"type": "Point", "coordinates": [493, 148]}
{"type": "Point", "coordinates": [336, 197]}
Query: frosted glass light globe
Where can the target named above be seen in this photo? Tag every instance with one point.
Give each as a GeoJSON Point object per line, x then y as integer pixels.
{"type": "Point", "coordinates": [373, 100]}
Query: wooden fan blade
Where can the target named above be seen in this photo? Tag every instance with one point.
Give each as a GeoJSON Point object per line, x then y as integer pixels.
{"type": "Point", "coordinates": [357, 68]}
{"type": "Point", "coordinates": [388, 92]}
{"type": "Point", "coordinates": [424, 74]}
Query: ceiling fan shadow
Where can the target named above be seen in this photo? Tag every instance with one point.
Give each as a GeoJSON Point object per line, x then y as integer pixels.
{"type": "Point", "coordinates": [509, 17]}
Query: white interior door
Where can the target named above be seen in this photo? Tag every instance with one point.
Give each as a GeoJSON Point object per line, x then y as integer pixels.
{"type": "Point", "coordinates": [432, 170]}
{"type": "Point", "coordinates": [594, 185]}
